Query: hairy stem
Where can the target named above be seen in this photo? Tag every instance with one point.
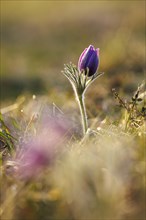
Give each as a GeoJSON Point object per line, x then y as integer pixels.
{"type": "Point", "coordinates": [81, 103]}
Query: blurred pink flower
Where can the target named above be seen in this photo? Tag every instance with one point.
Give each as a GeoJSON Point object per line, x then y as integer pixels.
{"type": "Point", "coordinates": [42, 149]}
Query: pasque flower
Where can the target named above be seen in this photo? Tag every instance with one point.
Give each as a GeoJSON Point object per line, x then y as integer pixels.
{"type": "Point", "coordinates": [81, 78]}
{"type": "Point", "coordinates": [41, 149]}
{"type": "Point", "coordinates": [89, 59]}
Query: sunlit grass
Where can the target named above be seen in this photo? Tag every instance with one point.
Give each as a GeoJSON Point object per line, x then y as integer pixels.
{"type": "Point", "coordinates": [94, 177]}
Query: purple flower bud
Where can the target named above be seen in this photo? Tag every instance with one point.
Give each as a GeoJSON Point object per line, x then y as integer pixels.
{"type": "Point", "coordinates": [89, 59]}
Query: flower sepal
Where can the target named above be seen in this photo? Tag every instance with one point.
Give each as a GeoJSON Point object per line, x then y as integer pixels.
{"type": "Point", "coordinates": [80, 80]}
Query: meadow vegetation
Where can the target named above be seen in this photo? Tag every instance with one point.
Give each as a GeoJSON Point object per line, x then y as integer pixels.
{"type": "Point", "coordinates": [48, 169]}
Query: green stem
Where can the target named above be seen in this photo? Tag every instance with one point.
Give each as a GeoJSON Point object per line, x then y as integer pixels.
{"type": "Point", "coordinates": [81, 103]}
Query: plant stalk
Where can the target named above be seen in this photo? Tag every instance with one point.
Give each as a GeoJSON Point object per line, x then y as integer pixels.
{"type": "Point", "coordinates": [81, 103]}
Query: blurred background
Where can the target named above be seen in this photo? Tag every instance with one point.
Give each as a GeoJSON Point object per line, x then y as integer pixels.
{"type": "Point", "coordinates": [107, 179]}
{"type": "Point", "coordinates": [38, 37]}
